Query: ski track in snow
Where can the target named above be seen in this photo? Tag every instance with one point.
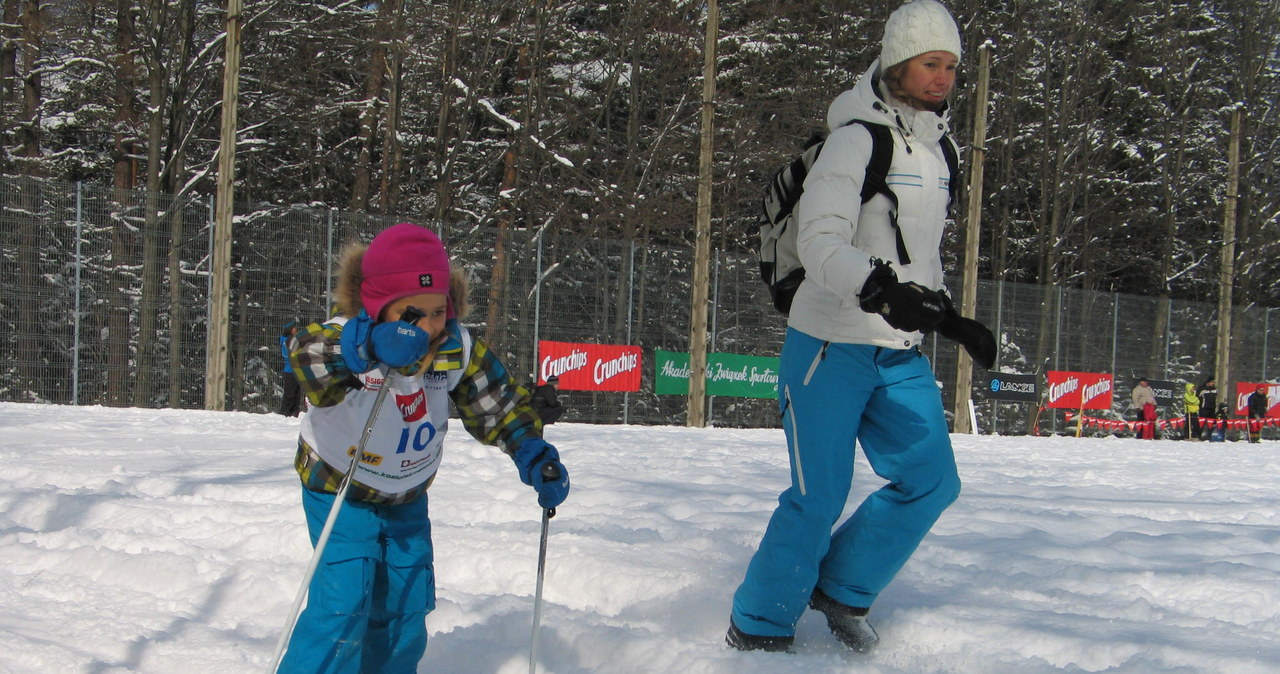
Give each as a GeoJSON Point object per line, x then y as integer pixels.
{"type": "Point", "coordinates": [173, 541]}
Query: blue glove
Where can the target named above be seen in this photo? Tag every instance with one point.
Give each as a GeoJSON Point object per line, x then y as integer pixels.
{"type": "Point", "coordinates": [540, 467]}
{"type": "Point", "coordinates": [396, 344]}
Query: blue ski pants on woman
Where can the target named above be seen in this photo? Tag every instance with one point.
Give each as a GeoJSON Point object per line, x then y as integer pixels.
{"type": "Point", "coordinates": [831, 395]}
{"type": "Point", "coordinates": [368, 601]}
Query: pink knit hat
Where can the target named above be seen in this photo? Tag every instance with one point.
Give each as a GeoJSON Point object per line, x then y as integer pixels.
{"type": "Point", "coordinates": [403, 260]}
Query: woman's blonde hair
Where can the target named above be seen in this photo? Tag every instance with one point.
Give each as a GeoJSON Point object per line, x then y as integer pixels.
{"type": "Point", "coordinates": [892, 80]}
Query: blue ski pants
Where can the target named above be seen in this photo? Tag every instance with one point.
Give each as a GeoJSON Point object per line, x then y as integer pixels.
{"type": "Point", "coordinates": [368, 601]}
{"type": "Point", "coordinates": [831, 395]}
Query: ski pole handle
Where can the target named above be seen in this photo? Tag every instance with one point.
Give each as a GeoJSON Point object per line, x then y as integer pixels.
{"type": "Point", "coordinates": [411, 314]}
{"type": "Point", "coordinates": [550, 473]}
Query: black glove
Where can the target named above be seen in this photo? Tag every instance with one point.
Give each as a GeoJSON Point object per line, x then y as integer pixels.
{"type": "Point", "coordinates": [909, 307]}
{"type": "Point", "coordinates": [972, 335]}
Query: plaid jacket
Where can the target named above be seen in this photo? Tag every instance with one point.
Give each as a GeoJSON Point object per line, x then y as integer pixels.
{"type": "Point", "coordinates": [492, 406]}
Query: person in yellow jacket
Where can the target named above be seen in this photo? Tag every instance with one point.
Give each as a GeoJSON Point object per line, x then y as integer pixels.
{"type": "Point", "coordinates": [1191, 401]}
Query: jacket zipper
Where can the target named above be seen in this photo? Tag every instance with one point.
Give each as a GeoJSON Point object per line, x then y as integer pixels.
{"type": "Point", "coordinates": [901, 128]}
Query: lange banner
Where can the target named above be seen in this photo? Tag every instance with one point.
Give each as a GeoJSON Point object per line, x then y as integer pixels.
{"type": "Point", "coordinates": [1006, 386]}
{"type": "Point", "coordinates": [1243, 391]}
{"type": "Point", "coordinates": [1079, 390]}
{"type": "Point", "coordinates": [590, 367]}
{"type": "Point", "coordinates": [728, 374]}
{"type": "Point", "coordinates": [1167, 393]}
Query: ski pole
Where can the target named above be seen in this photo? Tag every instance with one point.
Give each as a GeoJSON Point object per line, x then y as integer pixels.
{"type": "Point", "coordinates": [550, 473]}
{"type": "Point", "coordinates": [410, 315]}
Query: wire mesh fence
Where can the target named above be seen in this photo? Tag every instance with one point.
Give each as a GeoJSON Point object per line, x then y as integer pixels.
{"type": "Point", "coordinates": [105, 301]}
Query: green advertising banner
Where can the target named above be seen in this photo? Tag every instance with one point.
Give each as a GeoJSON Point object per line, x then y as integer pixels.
{"type": "Point", "coordinates": [728, 374]}
{"type": "Point", "coordinates": [671, 372]}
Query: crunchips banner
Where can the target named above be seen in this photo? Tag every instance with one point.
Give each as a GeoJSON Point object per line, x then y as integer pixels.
{"type": "Point", "coordinates": [1243, 391]}
{"type": "Point", "coordinates": [1079, 390]}
{"type": "Point", "coordinates": [590, 367]}
{"type": "Point", "coordinates": [728, 374]}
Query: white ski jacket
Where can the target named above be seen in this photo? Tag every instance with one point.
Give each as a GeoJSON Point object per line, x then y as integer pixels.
{"type": "Point", "coordinates": [837, 235]}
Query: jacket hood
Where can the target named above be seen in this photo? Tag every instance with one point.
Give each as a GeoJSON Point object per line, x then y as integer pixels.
{"type": "Point", "coordinates": [867, 102]}
{"type": "Point", "coordinates": [346, 290]}
{"type": "Point", "coordinates": [861, 102]}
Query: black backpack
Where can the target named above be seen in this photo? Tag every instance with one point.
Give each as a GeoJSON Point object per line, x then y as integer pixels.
{"type": "Point", "coordinates": [779, 262]}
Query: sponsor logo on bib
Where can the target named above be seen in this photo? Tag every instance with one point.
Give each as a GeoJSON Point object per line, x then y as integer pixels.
{"type": "Point", "coordinates": [413, 406]}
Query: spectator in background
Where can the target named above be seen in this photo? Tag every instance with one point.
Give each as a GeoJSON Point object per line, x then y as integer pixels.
{"type": "Point", "coordinates": [546, 402]}
{"type": "Point", "coordinates": [1257, 409]}
{"type": "Point", "coordinates": [1144, 403]}
{"type": "Point", "coordinates": [1208, 393]}
{"type": "Point", "coordinates": [1191, 405]}
{"type": "Point", "coordinates": [291, 401]}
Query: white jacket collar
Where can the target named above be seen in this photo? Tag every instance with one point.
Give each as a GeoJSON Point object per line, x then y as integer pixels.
{"type": "Point", "coordinates": [865, 102]}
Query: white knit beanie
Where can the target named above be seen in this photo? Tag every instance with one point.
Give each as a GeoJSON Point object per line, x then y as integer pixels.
{"type": "Point", "coordinates": [917, 27]}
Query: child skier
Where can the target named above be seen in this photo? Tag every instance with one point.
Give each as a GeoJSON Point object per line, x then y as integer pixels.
{"type": "Point", "coordinates": [375, 582]}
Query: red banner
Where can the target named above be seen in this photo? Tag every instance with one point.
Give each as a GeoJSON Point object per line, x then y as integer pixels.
{"type": "Point", "coordinates": [1068, 390]}
{"type": "Point", "coordinates": [590, 367]}
{"type": "Point", "coordinates": [1243, 391]}
{"type": "Point", "coordinates": [1175, 423]}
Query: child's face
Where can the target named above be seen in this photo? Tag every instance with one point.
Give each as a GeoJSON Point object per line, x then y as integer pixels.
{"type": "Point", "coordinates": [434, 305]}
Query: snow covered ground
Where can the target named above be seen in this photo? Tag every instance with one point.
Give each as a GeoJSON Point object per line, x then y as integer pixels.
{"type": "Point", "coordinates": [173, 541]}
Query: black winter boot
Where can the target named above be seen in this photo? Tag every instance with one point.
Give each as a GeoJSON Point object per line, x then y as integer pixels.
{"type": "Point", "coordinates": [754, 642]}
{"type": "Point", "coordinates": [848, 623]}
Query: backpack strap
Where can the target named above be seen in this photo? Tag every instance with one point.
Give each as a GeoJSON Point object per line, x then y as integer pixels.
{"type": "Point", "coordinates": [952, 154]}
{"type": "Point", "coordinates": [789, 181]}
{"type": "Point", "coordinates": [876, 179]}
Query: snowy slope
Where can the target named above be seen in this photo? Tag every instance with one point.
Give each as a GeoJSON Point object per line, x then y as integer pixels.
{"type": "Point", "coordinates": [172, 541]}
